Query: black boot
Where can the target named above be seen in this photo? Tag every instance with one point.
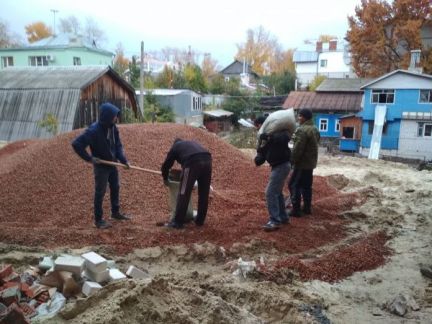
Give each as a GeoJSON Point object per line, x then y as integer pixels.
{"type": "Point", "coordinates": [295, 212]}
{"type": "Point", "coordinates": [307, 210]}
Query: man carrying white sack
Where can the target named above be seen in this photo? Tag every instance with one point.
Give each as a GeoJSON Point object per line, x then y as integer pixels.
{"type": "Point", "coordinates": [274, 149]}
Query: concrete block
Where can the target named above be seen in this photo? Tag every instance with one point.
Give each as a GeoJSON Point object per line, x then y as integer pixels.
{"type": "Point", "coordinates": [111, 264]}
{"type": "Point", "coordinates": [94, 262]}
{"type": "Point", "coordinates": [46, 263]}
{"type": "Point", "coordinates": [101, 276]}
{"type": "Point", "coordinates": [89, 288]}
{"type": "Point", "coordinates": [70, 263]}
{"type": "Point", "coordinates": [136, 273]}
{"type": "Point", "coordinates": [116, 274]}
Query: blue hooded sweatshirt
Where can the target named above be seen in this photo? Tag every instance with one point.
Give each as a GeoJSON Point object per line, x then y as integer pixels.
{"type": "Point", "coordinates": [102, 137]}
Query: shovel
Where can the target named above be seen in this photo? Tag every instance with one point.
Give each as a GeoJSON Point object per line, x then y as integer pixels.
{"type": "Point", "coordinates": [125, 166]}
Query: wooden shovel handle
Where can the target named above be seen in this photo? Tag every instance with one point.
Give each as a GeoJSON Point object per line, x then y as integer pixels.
{"type": "Point", "coordinates": [131, 166]}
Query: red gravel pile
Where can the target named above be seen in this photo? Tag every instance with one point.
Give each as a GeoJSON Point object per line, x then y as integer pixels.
{"type": "Point", "coordinates": [46, 197]}
{"type": "Point", "coordinates": [366, 254]}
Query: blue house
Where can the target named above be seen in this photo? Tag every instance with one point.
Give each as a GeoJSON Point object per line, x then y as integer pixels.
{"type": "Point", "coordinates": [333, 99]}
{"type": "Point", "coordinates": [404, 99]}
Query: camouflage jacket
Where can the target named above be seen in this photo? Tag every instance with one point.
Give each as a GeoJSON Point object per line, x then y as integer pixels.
{"type": "Point", "coordinates": [305, 151]}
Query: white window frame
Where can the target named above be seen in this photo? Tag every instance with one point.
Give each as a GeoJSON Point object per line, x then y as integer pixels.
{"type": "Point", "coordinates": [7, 61]}
{"type": "Point", "coordinates": [337, 126]}
{"type": "Point", "coordinates": [429, 96]}
{"type": "Point", "coordinates": [377, 93]}
{"type": "Point", "coordinates": [196, 103]}
{"type": "Point", "coordinates": [41, 60]}
{"type": "Point", "coordinates": [76, 60]}
{"type": "Point", "coordinates": [323, 122]}
{"type": "Point", "coordinates": [323, 63]}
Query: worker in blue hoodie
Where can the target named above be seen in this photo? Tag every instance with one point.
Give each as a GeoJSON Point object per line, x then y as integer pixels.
{"type": "Point", "coordinates": [104, 141]}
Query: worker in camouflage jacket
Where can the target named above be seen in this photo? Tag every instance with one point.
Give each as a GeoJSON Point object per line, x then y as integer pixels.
{"type": "Point", "coordinates": [304, 159]}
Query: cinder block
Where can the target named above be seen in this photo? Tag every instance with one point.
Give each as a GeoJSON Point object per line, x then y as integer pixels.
{"type": "Point", "coordinates": [89, 288]}
{"type": "Point", "coordinates": [46, 263]}
{"type": "Point", "coordinates": [69, 263]}
{"type": "Point", "coordinates": [116, 274]}
{"type": "Point", "coordinates": [111, 264]}
{"type": "Point", "coordinates": [101, 276]}
{"type": "Point", "coordinates": [94, 262]}
{"type": "Point", "coordinates": [136, 273]}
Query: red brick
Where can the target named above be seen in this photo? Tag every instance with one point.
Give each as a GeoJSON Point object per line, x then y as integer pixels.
{"type": "Point", "coordinates": [14, 316]}
{"type": "Point", "coordinates": [27, 309]}
{"type": "Point", "coordinates": [6, 271]}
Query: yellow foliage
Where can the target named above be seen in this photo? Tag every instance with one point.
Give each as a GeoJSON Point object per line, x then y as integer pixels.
{"type": "Point", "coordinates": [37, 30]}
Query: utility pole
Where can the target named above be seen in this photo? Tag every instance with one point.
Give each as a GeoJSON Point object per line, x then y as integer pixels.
{"type": "Point", "coordinates": [54, 11]}
{"type": "Point", "coordinates": [142, 78]}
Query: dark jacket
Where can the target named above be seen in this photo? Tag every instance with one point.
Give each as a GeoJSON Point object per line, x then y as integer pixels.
{"type": "Point", "coordinates": [184, 152]}
{"type": "Point", "coordinates": [305, 151]}
{"type": "Point", "coordinates": [102, 137]}
{"type": "Point", "coordinates": [274, 149]}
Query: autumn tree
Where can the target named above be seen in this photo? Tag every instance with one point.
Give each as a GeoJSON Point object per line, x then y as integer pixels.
{"type": "Point", "coordinates": [381, 35]}
{"type": "Point", "coordinates": [194, 78]}
{"type": "Point", "coordinates": [37, 30]}
{"type": "Point", "coordinates": [165, 79]}
{"type": "Point", "coordinates": [134, 71]}
{"type": "Point", "coordinates": [259, 50]}
{"type": "Point", "coordinates": [121, 63]}
{"type": "Point", "coordinates": [7, 38]}
{"type": "Point", "coordinates": [208, 67]}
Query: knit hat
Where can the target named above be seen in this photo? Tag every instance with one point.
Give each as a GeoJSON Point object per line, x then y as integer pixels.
{"type": "Point", "coordinates": [306, 113]}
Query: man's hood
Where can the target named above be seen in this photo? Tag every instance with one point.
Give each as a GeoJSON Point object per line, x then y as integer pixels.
{"type": "Point", "coordinates": [107, 113]}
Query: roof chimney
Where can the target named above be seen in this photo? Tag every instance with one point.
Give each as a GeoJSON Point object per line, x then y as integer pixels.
{"type": "Point", "coordinates": [319, 46]}
{"type": "Point", "coordinates": [333, 45]}
{"type": "Point", "coordinates": [415, 65]}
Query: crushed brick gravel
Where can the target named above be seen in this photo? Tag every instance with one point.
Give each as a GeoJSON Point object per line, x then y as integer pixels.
{"type": "Point", "coordinates": [46, 197]}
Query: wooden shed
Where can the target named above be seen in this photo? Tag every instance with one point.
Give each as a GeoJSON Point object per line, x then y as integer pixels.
{"type": "Point", "coordinates": [217, 121]}
{"type": "Point", "coordinates": [71, 94]}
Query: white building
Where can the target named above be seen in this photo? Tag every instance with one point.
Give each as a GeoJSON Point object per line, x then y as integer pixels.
{"type": "Point", "coordinates": [331, 60]}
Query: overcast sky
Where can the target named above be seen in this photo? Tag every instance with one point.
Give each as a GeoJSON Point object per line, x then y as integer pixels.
{"type": "Point", "coordinates": [213, 27]}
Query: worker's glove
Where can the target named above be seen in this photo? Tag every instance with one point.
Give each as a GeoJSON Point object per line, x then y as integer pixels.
{"type": "Point", "coordinates": [127, 166]}
{"type": "Point", "coordinates": [95, 160]}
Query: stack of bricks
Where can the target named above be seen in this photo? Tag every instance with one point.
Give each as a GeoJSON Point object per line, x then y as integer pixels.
{"type": "Point", "coordinates": [15, 296]}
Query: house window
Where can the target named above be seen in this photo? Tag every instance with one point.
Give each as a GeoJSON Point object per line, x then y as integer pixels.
{"type": "Point", "coordinates": [371, 127]}
{"type": "Point", "coordinates": [323, 63]}
{"type": "Point", "coordinates": [382, 96]}
{"type": "Point", "coordinates": [337, 126]}
{"type": "Point", "coordinates": [323, 124]}
{"type": "Point", "coordinates": [6, 61]}
{"type": "Point", "coordinates": [196, 103]}
{"type": "Point", "coordinates": [348, 132]}
{"type": "Point", "coordinates": [38, 61]}
{"type": "Point", "coordinates": [76, 60]}
{"type": "Point", "coordinates": [424, 130]}
{"type": "Point", "coordinates": [425, 96]}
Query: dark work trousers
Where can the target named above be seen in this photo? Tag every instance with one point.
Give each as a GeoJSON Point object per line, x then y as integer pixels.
{"type": "Point", "coordinates": [196, 170]}
{"type": "Point", "coordinates": [103, 175]}
{"type": "Point", "coordinates": [300, 185]}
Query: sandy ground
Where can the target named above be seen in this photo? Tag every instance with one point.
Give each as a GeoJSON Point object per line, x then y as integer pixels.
{"type": "Point", "coordinates": [197, 285]}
